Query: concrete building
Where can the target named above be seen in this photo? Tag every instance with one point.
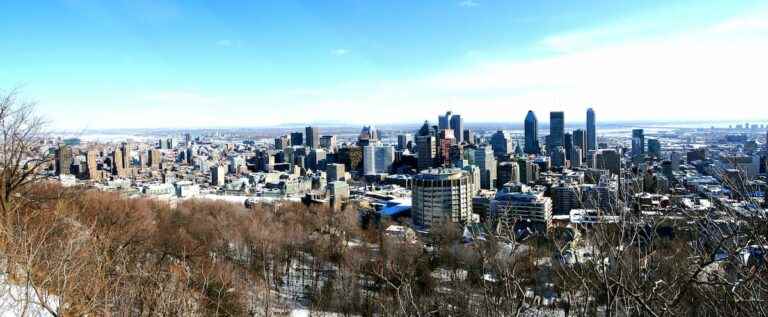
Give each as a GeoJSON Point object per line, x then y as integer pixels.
{"type": "Point", "coordinates": [441, 196]}
{"type": "Point", "coordinates": [378, 159]}
{"type": "Point", "coordinates": [527, 206]}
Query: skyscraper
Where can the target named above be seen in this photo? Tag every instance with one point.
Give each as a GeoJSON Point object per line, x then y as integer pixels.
{"type": "Point", "coordinates": [313, 137]}
{"type": "Point", "coordinates": [568, 145]}
{"type": "Point", "coordinates": [90, 160]}
{"type": "Point", "coordinates": [217, 175]}
{"type": "Point", "coordinates": [556, 129]}
{"type": "Point", "coordinates": [444, 121]}
{"type": "Point", "coordinates": [403, 140]}
{"type": "Point", "coordinates": [487, 163]}
{"type": "Point", "coordinates": [580, 141]}
{"type": "Point", "coordinates": [297, 138]}
{"type": "Point", "coordinates": [426, 149]}
{"type": "Point", "coordinates": [638, 142]}
{"type": "Point", "coordinates": [591, 131]}
{"type": "Point", "coordinates": [127, 156]}
{"type": "Point", "coordinates": [63, 159]}
{"type": "Point", "coordinates": [531, 133]}
{"type": "Point", "coordinates": [501, 144]}
{"type": "Point", "coordinates": [457, 125]}
{"type": "Point", "coordinates": [117, 163]}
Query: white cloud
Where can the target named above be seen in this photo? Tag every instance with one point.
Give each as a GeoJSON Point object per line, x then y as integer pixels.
{"type": "Point", "coordinates": [340, 52]}
{"type": "Point", "coordinates": [468, 3]}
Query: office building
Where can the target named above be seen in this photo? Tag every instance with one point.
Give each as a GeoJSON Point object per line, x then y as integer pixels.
{"type": "Point", "coordinates": [335, 172]}
{"type": "Point", "coordinates": [557, 157]}
{"type": "Point", "coordinates": [556, 129]}
{"type": "Point", "coordinates": [524, 207]}
{"type": "Point", "coordinates": [217, 175]}
{"type": "Point", "coordinates": [501, 144]}
{"type": "Point", "coordinates": [63, 157]}
{"type": "Point", "coordinates": [297, 138]}
{"type": "Point", "coordinates": [441, 196]}
{"type": "Point", "coordinates": [565, 198]}
{"type": "Point", "coordinates": [444, 121]}
{"type": "Point", "coordinates": [117, 163]}
{"type": "Point", "coordinates": [282, 142]}
{"type": "Point", "coordinates": [638, 142]}
{"type": "Point", "coordinates": [531, 126]}
{"type": "Point", "coordinates": [654, 148]}
{"type": "Point", "coordinates": [329, 143]}
{"type": "Point", "coordinates": [485, 160]}
{"type": "Point", "coordinates": [457, 125]}
{"type": "Point", "coordinates": [608, 160]}
{"type": "Point", "coordinates": [508, 172]}
{"type": "Point", "coordinates": [568, 145]}
{"type": "Point", "coordinates": [378, 159]}
{"type": "Point", "coordinates": [91, 161]}
{"type": "Point", "coordinates": [404, 141]}
{"type": "Point", "coordinates": [312, 135]}
{"type": "Point", "coordinates": [580, 141]}
{"type": "Point", "coordinates": [591, 131]}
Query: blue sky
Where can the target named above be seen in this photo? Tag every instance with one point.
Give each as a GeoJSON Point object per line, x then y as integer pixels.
{"type": "Point", "coordinates": [103, 64]}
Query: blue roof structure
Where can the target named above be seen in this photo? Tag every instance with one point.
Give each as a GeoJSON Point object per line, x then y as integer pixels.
{"type": "Point", "coordinates": [397, 210]}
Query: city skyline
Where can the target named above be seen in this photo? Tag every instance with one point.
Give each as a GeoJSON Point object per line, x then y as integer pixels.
{"type": "Point", "coordinates": [176, 65]}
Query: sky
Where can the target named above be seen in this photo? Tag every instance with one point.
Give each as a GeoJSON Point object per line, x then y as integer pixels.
{"type": "Point", "coordinates": [175, 64]}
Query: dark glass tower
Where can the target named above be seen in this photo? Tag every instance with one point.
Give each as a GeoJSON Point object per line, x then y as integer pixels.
{"type": "Point", "coordinates": [591, 131]}
{"type": "Point", "coordinates": [531, 133]}
{"type": "Point", "coordinates": [556, 129]}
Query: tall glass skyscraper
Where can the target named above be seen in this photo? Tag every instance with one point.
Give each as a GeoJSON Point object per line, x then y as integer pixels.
{"type": "Point", "coordinates": [531, 133]}
{"type": "Point", "coordinates": [556, 129]}
{"type": "Point", "coordinates": [591, 130]}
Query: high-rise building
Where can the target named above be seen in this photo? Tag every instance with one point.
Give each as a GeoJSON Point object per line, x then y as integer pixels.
{"type": "Point", "coordinates": [486, 161]}
{"type": "Point", "coordinates": [557, 156]}
{"type": "Point", "coordinates": [580, 141]}
{"type": "Point", "coordinates": [457, 125]}
{"type": "Point", "coordinates": [217, 175]}
{"type": "Point", "coordinates": [313, 137]}
{"type": "Point", "coordinates": [127, 156]}
{"type": "Point", "coordinates": [315, 159]}
{"type": "Point", "coordinates": [335, 172]}
{"type": "Point", "coordinates": [282, 142]}
{"type": "Point", "coordinates": [91, 160]}
{"type": "Point", "coordinates": [426, 147]}
{"type": "Point", "coordinates": [566, 197]}
{"type": "Point", "coordinates": [441, 196]}
{"type": "Point", "coordinates": [531, 134]}
{"type": "Point", "coordinates": [368, 135]}
{"type": "Point", "coordinates": [654, 147]}
{"type": "Point", "coordinates": [63, 159]}
{"type": "Point", "coordinates": [444, 121]}
{"type": "Point", "coordinates": [508, 172]}
{"type": "Point", "coordinates": [154, 158]}
{"type": "Point", "coordinates": [403, 140]}
{"type": "Point", "coordinates": [469, 136]}
{"type": "Point", "coordinates": [297, 138]}
{"type": "Point", "coordinates": [591, 131]}
{"type": "Point", "coordinates": [608, 160]}
{"type": "Point", "coordinates": [556, 129]}
{"type": "Point", "coordinates": [501, 144]}
{"type": "Point", "coordinates": [377, 159]}
{"type": "Point", "coordinates": [638, 142]}
{"type": "Point", "coordinates": [117, 163]}
{"type": "Point", "coordinates": [444, 142]}
{"type": "Point", "coordinates": [329, 143]}
{"type": "Point", "coordinates": [568, 145]}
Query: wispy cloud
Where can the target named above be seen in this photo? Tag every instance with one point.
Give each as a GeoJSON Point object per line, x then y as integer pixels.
{"type": "Point", "coordinates": [340, 51]}
{"type": "Point", "coordinates": [468, 3]}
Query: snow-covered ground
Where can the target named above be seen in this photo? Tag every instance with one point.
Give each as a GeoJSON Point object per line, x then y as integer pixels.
{"type": "Point", "coordinates": [18, 300]}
